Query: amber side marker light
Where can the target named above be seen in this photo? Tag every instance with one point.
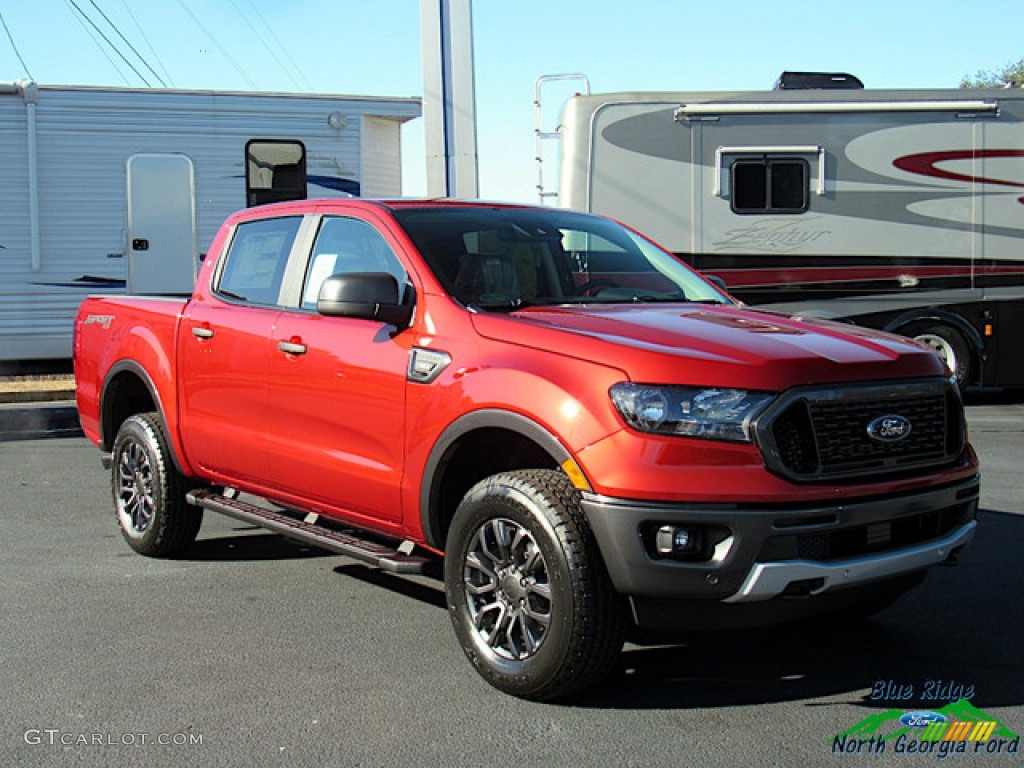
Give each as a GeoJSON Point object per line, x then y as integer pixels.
{"type": "Point", "coordinates": [572, 469]}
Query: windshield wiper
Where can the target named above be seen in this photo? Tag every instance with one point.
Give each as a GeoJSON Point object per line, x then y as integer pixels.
{"type": "Point", "coordinates": [509, 305]}
{"type": "Point", "coordinates": [646, 298]}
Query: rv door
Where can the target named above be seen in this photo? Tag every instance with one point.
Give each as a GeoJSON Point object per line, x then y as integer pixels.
{"type": "Point", "coordinates": [161, 224]}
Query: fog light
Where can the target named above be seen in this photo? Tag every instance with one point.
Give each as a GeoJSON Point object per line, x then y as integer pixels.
{"type": "Point", "coordinates": [670, 540]}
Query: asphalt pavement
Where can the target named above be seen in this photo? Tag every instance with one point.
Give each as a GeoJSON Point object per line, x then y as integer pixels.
{"type": "Point", "coordinates": [255, 651]}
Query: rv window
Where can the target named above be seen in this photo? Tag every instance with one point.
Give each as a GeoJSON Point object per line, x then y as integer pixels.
{"type": "Point", "coordinates": [275, 171]}
{"type": "Point", "coordinates": [769, 186]}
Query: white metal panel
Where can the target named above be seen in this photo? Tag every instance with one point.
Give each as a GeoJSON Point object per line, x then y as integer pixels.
{"type": "Point", "coordinates": [645, 189]}
{"type": "Point", "coordinates": [381, 157]}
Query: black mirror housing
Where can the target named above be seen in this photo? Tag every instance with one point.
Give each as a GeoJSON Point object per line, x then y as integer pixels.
{"type": "Point", "coordinates": [716, 281]}
{"type": "Point", "coordinates": [364, 295]}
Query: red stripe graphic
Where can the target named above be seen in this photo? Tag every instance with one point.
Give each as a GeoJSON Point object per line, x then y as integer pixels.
{"type": "Point", "coordinates": [743, 278]}
{"type": "Point", "coordinates": [926, 164]}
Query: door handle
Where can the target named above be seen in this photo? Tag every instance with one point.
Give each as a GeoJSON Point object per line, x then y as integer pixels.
{"type": "Point", "coordinates": [292, 348]}
{"type": "Point", "coordinates": [202, 333]}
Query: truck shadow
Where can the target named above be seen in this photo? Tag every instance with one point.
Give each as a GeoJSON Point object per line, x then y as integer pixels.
{"type": "Point", "coordinates": [955, 636]}
{"type": "Point", "coordinates": [422, 589]}
{"type": "Point", "coordinates": [259, 545]}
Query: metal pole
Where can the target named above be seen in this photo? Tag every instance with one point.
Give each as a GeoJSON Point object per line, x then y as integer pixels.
{"type": "Point", "coordinates": [449, 98]}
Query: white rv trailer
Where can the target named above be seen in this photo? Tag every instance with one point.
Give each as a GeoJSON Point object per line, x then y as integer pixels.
{"type": "Point", "coordinates": [895, 209]}
{"type": "Point", "coordinates": [119, 190]}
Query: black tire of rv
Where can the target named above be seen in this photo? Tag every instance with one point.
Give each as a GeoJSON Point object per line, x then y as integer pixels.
{"type": "Point", "coordinates": [149, 492]}
{"type": "Point", "coordinates": [949, 344]}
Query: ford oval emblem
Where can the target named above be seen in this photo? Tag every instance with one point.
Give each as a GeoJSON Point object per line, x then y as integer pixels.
{"type": "Point", "coordinates": [889, 429]}
{"type": "Point", "coordinates": [922, 719]}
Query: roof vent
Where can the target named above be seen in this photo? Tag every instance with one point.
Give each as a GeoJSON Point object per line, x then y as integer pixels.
{"type": "Point", "coordinates": [808, 81]}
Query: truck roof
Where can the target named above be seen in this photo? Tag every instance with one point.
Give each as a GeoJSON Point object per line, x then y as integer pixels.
{"type": "Point", "coordinates": [362, 203]}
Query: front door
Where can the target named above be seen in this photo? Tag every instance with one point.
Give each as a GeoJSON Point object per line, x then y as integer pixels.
{"type": "Point", "coordinates": [337, 388]}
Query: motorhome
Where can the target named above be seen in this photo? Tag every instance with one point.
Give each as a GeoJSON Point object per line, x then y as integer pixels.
{"type": "Point", "coordinates": [895, 209]}
{"type": "Point", "coordinates": [120, 190]}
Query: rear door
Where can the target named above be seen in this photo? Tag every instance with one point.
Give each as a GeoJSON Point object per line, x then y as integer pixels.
{"type": "Point", "coordinates": [161, 224]}
{"type": "Point", "coordinates": [224, 349]}
{"type": "Point", "coordinates": [337, 387]}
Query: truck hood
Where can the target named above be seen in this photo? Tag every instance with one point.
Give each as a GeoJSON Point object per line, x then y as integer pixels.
{"type": "Point", "coordinates": [723, 346]}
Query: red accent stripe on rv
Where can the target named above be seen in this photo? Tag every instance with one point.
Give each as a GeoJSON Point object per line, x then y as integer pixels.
{"type": "Point", "coordinates": [926, 164]}
{"type": "Point", "coordinates": [745, 278]}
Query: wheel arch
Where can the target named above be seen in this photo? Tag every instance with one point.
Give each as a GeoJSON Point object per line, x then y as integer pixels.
{"type": "Point", "coordinates": [465, 454]}
{"type": "Point", "coordinates": [128, 389]}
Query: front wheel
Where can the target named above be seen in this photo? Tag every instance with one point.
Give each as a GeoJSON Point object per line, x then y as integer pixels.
{"type": "Point", "coordinates": [527, 592]}
{"type": "Point", "coordinates": [149, 492]}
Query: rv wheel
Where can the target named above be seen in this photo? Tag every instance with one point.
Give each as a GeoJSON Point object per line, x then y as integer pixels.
{"type": "Point", "coordinates": [949, 344]}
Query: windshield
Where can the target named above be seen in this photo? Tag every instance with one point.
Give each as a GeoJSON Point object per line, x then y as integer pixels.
{"type": "Point", "coordinates": [508, 258]}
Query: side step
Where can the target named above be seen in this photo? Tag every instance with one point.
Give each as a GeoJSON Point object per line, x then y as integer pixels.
{"type": "Point", "coordinates": [343, 543]}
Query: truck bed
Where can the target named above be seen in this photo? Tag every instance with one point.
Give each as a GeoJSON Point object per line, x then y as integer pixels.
{"type": "Point", "coordinates": [145, 330]}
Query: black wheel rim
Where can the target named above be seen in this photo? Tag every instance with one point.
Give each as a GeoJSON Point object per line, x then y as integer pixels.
{"type": "Point", "coordinates": [135, 500]}
{"type": "Point", "coordinates": [507, 589]}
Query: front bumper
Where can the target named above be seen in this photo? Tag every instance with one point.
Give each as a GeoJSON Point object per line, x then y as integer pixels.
{"type": "Point", "coordinates": [770, 552]}
{"type": "Point", "coordinates": [768, 580]}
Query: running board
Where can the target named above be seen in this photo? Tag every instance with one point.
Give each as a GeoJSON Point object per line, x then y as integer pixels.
{"type": "Point", "coordinates": [347, 544]}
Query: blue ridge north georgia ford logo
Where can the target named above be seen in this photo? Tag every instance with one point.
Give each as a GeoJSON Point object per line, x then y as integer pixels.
{"type": "Point", "coordinates": [890, 428]}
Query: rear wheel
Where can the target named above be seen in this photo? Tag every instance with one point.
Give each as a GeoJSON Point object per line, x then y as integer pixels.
{"type": "Point", "coordinates": [949, 344]}
{"type": "Point", "coordinates": [149, 492]}
{"type": "Point", "coordinates": [528, 594]}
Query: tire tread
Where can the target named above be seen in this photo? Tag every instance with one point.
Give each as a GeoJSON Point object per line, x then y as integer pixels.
{"type": "Point", "coordinates": [176, 522]}
{"type": "Point", "coordinates": [598, 610]}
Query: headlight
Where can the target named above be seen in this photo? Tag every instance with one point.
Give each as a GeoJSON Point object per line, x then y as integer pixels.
{"type": "Point", "coordinates": [712, 414]}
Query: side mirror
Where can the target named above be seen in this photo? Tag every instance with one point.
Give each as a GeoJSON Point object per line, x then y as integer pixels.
{"type": "Point", "coordinates": [716, 281]}
{"type": "Point", "coordinates": [364, 295]}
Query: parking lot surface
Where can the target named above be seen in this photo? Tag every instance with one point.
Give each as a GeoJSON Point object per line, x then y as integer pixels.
{"type": "Point", "coordinates": [256, 651]}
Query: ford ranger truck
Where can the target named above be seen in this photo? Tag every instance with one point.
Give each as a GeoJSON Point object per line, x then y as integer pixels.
{"type": "Point", "coordinates": [590, 436]}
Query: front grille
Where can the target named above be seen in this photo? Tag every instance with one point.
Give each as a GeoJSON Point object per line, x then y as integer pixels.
{"type": "Point", "coordinates": [821, 435]}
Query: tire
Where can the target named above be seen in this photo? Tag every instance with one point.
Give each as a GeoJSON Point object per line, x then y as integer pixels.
{"type": "Point", "coordinates": [527, 591]}
{"type": "Point", "coordinates": [149, 492]}
{"type": "Point", "coordinates": [949, 344]}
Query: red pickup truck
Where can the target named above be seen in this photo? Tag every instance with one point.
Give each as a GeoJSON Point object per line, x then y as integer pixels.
{"type": "Point", "coordinates": [591, 436]}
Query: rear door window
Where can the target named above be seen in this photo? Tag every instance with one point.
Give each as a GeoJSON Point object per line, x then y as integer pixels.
{"type": "Point", "coordinates": [255, 266]}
